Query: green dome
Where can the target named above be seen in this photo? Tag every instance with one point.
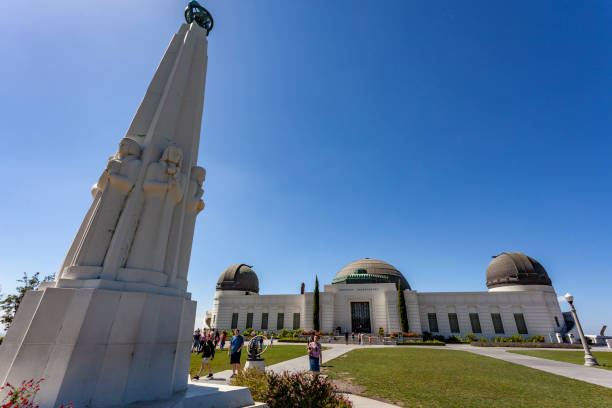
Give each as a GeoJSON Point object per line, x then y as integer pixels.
{"type": "Point", "coordinates": [370, 271]}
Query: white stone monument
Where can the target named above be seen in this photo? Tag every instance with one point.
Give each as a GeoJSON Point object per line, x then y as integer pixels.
{"type": "Point", "coordinates": [115, 327]}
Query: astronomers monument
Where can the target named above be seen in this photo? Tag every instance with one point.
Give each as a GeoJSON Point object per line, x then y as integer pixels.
{"type": "Point", "coordinates": [115, 326]}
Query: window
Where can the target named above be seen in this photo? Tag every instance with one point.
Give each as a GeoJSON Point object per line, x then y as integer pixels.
{"type": "Point", "coordinates": [280, 321]}
{"type": "Point", "coordinates": [249, 323]}
{"type": "Point", "coordinates": [433, 322]}
{"type": "Point", "coordinates": [475, 321]}
{"type": "Point", "coordinates": [296, 321]}
{"type": "Point", "coordinates": [234, 321]}
{"type": "Point", "coordinates": [557, 321]}
{"type": "Point", "coordinates": [264, 321]}
{"type": "Point", "coordinates": [454, 322]}
{"type": "Point", "coordinates": [520, 323]}
{"type": "Point", "coordinates": [497, 323]}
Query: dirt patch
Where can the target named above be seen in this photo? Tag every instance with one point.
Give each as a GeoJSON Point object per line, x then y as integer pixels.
{"type": "Point", "coordinates": [345, 385]}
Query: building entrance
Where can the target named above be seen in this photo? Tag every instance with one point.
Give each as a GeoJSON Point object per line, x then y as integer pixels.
{"type": "Point", "coordinates": [360, 317]}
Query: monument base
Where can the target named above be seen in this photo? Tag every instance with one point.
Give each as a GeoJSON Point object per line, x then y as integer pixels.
{"type": "Point", "coordinates": [99, 348]}
{"type": "Point", "coordinates": [198, 395]}
{"type": "Point", "coordinates": [258, 364]}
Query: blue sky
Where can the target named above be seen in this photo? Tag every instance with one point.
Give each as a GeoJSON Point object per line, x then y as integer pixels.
{"type": "Point", "coordinates": [432, 135]}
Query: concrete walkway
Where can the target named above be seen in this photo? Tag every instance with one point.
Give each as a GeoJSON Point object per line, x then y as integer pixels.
{"type": "Point", "coordinates": [591, 375]}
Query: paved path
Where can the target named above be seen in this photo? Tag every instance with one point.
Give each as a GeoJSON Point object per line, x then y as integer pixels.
{"type": "Point", "coordinates": [591, 375]}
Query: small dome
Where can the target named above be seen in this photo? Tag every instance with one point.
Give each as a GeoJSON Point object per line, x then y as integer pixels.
{"type": "Point", "coordinates": [370, 271]}
{"type": "Point", "coordinates": [239, 277]}
{"type": "Point", "coordinates": [515, 268]}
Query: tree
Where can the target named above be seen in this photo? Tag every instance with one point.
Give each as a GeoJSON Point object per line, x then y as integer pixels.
{"type": "Point", "coordinates": [315, 308]}
{"type": "Point", "coordinates": [401, 305]}
{"type": "Point", "coordinates": [10, 303]}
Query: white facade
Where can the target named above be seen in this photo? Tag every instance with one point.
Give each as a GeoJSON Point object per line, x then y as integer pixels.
{"type": "Point", "coordinates": [536, 303]}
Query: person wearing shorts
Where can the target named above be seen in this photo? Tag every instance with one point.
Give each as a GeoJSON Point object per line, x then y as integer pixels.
{"type": "Point", "coordinates": [234, 352]}
{"type": "Point", "coordinates": [315, 355]}
{"type": "Point", "coordinates": [222, 340]}
{"type": "Point", "coordinates": [208, 353]}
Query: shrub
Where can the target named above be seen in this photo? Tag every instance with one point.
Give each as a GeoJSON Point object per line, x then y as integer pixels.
{"type": "Point", "coordinates": [307, 332]}
{"type": "Point", "coordinates": [470, 337]}
{"type": "Point", "coordinates": [292, 340]}
{"type": "Point", "coordinates": [321, 333]}
{"type": "Point", "coordinates": [483, 340]}
{"type": "Point", "coordinates": [421, 343]}
{"type": "Point", "coordinates": [536, 339]}
{"type": "Point", "coordinates": [439, 337]}
{"type": "Point", "coordinates": [290, 390]}
{"type": "Point", "coordinates": [381, 331]}
{"type": "Point", "coordinates": [247, 332]}
{"type": "Point", "coordinates": [453, 340]}
{"type": "Point", "coordinates": [427, 336]}
{"type": "Point", "coordinates": [283, 333]}
{"type": "Point", "coordinates": [411, 334]}
{"type": "Point", "coordinates": [501, 340]}
{"type": "Point", "coordinates": [516, 338]}
{"type": "Point", "coordinates": [272, 333]}
{"type": "Point", "coordinates": [331, 333]}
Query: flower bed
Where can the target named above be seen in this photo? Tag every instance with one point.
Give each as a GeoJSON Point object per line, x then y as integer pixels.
{"type": "Point", "coordinates": [526, 345]}
{"type": "Point", "coordinates": [289, 390]}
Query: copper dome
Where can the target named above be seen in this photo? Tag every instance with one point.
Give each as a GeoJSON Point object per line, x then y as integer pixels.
{"type": "Point", "coordinates": [515, 268]}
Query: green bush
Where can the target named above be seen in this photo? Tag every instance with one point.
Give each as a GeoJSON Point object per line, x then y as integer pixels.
{"type": "Point", "coordinates": [292, 340]}
{"type": "Point", "coordinates": [427, 336]}
{"type": "Point", "coordinates": [470, 337]}
{"type": "Point", "coordinates": [381, 331]}
{"type": "Point", "coordinates": [501, 340]}
{"type": "Point", "coordinates": [439, 337]}
{"type": "Point", "coordinates": [247, 332]}
{"type": "Point", "coordinates": [536, 339]}
{"type": "Point", "coordinates": [453, 340]}
{"type": "Point", "coordinates": [421, 343]}
{"type": "Point", "coordinates": [284, 333]}
{"type": "Point", "coordinates": [516, 338]}
{"type": "Point", "coordinates": [483, 340]}
{"type": "Point", "coordinates": [287, 389]}
{"type": "Point", "coordinates": [272, 333]}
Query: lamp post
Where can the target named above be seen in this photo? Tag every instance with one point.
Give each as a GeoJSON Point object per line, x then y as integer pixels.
{"type": "Point", "coordinates": [589, 360]}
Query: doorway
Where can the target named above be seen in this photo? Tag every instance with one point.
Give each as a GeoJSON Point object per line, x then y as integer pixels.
{"type": "Point", "coordinates": [360, 317]}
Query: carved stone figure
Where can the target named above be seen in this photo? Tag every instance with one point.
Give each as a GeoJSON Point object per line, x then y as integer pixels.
{"type": "Point", "coordinates": [163, 189]}
{"type": "Point", "coordinates": [109, 193]}
{"type": "Point", "coordinates": [193, 206]}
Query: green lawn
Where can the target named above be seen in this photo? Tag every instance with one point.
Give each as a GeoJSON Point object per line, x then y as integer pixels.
{"type": "Point", "coordinates": [574, 357]}
{"type": "Point", "coordinates": [451, 378]}
{"type": "Point", "coordinates": [274, 354]}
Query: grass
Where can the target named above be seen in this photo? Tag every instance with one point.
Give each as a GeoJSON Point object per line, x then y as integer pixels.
{"type": "Point", "coordinates": [274, 354]}
{"type": "Point", "coordinates": [445, 378]}
{"type": "Point", "coordinates": [574, 357]}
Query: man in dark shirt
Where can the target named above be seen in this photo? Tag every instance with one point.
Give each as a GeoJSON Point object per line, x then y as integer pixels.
{"type": "Point", "coordinates": [208, 353]}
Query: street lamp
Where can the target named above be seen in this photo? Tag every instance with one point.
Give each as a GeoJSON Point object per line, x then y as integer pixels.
{"type": "Point", "coordinates": [589, 360]}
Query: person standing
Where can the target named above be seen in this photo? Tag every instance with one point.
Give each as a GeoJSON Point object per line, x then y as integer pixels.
{"type": "Point", "coordinates": [208, 353]}
{"type": "Point", "coordinates": [196, 341]}
{"type": "Point", "coordinates": [315, 355]}
{"type": "Point", "coordinates": [216, 337]}
{"type": "Point", "coordinates": [223, 337]}
{"type": "Point", "coordinates": [234, 352]}
{"type": "Point", "coordinates": [353, 337]}
{"type": "Point", "coordinates": [346, 338]}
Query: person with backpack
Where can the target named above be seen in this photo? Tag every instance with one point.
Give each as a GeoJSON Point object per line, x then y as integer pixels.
{"type": "Point", "coordinates": [208, 353]}
{"type": "Point", "coordinates": [315, 355]}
